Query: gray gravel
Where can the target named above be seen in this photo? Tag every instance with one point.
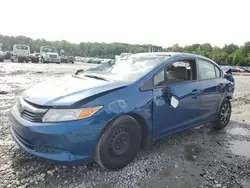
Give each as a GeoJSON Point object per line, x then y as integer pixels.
{"type": "Point", "coordinates": [198, 157]}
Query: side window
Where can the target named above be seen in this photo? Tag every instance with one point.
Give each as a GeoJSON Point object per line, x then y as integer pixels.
{"type": "Point", "coordinates": [177, 72]}
{"type": "Point", "coordinates": [159, 78]}
{"type": "Point", "coordinates": [206, 70]}
{"type": "Point", "coordinates": [217, 71]}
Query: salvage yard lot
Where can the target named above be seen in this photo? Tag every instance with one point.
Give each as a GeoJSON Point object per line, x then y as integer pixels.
{"type": "Point", "coordinates": [198, 157]}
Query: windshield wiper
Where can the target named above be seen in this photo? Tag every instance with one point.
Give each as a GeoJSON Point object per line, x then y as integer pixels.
{"type": "Point", "coordinates": [96, 77]}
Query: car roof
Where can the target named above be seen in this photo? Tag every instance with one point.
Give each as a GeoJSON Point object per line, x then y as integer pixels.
{"type": "Point", "coordinates": [173, 54]}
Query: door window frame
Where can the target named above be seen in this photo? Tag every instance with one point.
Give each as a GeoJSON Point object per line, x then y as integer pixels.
{"type": "Point", "coordinates": [149, 84]}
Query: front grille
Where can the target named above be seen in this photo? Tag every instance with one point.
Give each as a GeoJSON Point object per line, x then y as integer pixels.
{"type": "Point", "coordinates": [53, 56]}
{"type": "Point", "coordinates": [31, 116]}
{"type": "Point", "coordinates": [29, 111]}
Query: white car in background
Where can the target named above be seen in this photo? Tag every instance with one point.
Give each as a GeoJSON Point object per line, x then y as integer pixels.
{"type": "Point", "coordinates": [20, 53]}
{"type": "Point", "coordinates": [49, 54]}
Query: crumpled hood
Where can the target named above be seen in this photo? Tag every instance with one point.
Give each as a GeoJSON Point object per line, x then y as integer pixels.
{"type": "Point", "coordinates": [67, 90]}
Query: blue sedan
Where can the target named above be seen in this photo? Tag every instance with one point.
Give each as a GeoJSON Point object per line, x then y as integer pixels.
{"type": "Point", "coordinates": [108, 115]}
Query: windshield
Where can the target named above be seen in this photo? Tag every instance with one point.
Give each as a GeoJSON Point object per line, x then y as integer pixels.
{"type": "Point", "coordinates": [49, 49]}
{"type": "Point", "coordinates": [130, 68]}
{"type": "Point", "coordinates": [22, 47]}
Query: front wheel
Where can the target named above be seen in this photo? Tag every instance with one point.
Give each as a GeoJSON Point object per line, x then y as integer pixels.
{"type": "Point", "coordinates": [19, 60]}
{"type": "Point", "coordinates": [119, 144]}
{"type": "Point", "coordinates": [43, 61]}
{"type": "Point", "coordinates": [224, 115]}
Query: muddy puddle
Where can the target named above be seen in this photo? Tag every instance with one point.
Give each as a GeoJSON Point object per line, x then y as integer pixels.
{"type": "Point", "coordinates": [241, 148]}
{"type": "Point", "coordinates": [246, 184]}
{"type": "Point", "coordinates": [239, 131]}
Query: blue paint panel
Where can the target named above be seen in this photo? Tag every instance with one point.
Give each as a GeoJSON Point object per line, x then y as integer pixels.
{"type": "Point", "coordinates": [168, 118]}
{"type": "Point", "coordinates": [75, 141]}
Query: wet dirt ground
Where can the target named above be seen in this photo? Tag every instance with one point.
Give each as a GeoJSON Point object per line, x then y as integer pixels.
{"type": "Point", "coordinates": [199, 157]}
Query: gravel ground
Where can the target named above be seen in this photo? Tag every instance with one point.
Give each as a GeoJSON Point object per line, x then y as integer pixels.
{"type": "Point", "coordinates": [198, 157]}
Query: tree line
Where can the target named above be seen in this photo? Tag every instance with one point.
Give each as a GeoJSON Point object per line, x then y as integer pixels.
{"type": "Point", "coordinates": [229, 54]}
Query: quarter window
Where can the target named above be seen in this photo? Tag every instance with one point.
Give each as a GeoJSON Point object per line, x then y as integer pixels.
{"type": "Point", "coordinates": [217, 71]}
{"type": "Point", "coordinates": [206, 70]}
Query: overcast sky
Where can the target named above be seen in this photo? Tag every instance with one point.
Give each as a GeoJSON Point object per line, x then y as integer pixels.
{"type": "Point", "coordinates": [159, 22]}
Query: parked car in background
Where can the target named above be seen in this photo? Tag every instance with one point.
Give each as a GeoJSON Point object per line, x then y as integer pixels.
{"type": "Point", "coordinates": [247, 69]}
{"type": "Point", "coordinates": [104, 65]}
{"type": "Point", "coordinates": [107, 116]}
{"type": "Point", "coordinates": [67, 58]}
{"type": "Point", "coordinates": [20, 53]}
{"type": "Point", "coordinates": [2, 56]}
{"type": "Point", "coordinates": [94, 60]}
{"type": "Point", "coordinates": [240, 69]}
{"type": "Point", "coordinates": [49, 54]}
{"type": "Point", "coordinates": [34, 57]}
{"type": "Point", "coordinates": [8, 55]}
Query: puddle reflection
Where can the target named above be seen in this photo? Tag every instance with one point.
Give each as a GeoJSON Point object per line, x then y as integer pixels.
{"type": "Point", "coordinates": [242, 148]}
{"type": "Point", "coordinates": [239, 131]}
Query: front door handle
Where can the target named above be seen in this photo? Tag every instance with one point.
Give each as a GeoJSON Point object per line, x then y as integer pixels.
{"type": "Point", "coordinates": [195, 93]}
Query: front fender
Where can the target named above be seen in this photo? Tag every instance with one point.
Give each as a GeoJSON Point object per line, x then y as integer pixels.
{"type": "Point", "coordinates": [118, 103]}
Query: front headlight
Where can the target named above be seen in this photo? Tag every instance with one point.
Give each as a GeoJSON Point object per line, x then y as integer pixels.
{"type": "Point", "coordinates": [57, 115]}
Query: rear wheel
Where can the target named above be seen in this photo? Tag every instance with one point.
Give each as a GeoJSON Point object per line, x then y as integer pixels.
{"type": "Point", "coordinates": [119, 144]}
{"type": "Point", "coordinates": [224, 115]}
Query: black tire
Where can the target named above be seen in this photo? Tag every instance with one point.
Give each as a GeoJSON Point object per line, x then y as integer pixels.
{"type": "Point", "coordinates": [42, 61]}
{"type": "Point", "coordinates": [224, 115]}
{"type": "Point", "coordinates": [1, 60]}
{"type": "Point", "coordinates": [34, 61]}
{"type": "Point", "coordinates": [119, 143]}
